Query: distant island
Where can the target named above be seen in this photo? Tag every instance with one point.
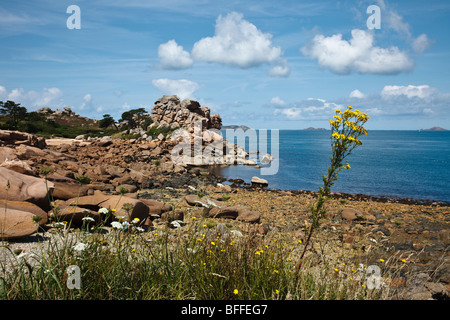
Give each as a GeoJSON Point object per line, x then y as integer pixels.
{"type": "Point", "coordinates": [434, 129]}
{"type": "Point", "coordinates": [234, 127]}
{"type": "Point", "coordinates": [315, 129]}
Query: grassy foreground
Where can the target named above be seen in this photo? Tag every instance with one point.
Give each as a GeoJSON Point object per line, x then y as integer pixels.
{"type": "Point", "coordinates": [196, 261]}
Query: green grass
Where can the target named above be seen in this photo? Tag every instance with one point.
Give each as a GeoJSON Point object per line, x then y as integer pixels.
{"type": "Point", "coordinates": [193, 262]}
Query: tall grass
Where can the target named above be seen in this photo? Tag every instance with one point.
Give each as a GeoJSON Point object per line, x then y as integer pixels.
{"type": "Point", "coordinates": [193, 262]}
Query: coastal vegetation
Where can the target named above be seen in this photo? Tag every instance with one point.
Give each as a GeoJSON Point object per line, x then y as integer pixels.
{"type": "Point", "coordinates": [116, 226]}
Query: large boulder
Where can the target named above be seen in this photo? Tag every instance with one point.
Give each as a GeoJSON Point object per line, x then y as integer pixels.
{"type": "Point", "coordinates": [66, 188]}
{"type": "Point", "coordinates": [20, 187]}
{"type": "Point", "coordinates": [75, 215]}
{"type": "Point", "coordinates": [24, 206]}
{"type": "Point", "coordinates": [16, 224]}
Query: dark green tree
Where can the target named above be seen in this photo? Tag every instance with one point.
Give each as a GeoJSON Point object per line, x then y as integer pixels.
{"type": "Point", "coordinates": [107, 121]}
{"type": "Point", "coordinates": [133, 116]}
{"type": "Point", "coordinates": [14, 112]}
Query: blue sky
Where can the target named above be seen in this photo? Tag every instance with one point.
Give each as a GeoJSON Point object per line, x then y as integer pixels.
{"type": "Point", "coordinates": [266, 64]}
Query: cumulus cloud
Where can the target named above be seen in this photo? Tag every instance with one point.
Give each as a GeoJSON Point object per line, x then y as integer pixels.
{"type": "Point", "coordinates": [280, 69]}
{"type": "Point", "coordinates": [358, 54]}
{"type": "Point", "coordinates": [173, 56]}
{"type": "Point", "coordinates": [357, 94]}
{"type": "Point", "coordinates": [410, 100]}
{"type": "Point", "coordinates": [47, 97]}
{"type": "Point", "coordinates": [309, 109]}
{"type": "Point", "coordinates": [276, 101]}
{"type": "Point", "coordinates": [410, 91]}
{"type": "Point", "coordinates": [182, 88]}
{"type": "Point", "coordinates": [237, 43]}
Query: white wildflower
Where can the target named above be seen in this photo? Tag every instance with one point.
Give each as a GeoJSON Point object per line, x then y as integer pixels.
{"type": "Point", "coordinates": [103, 211]}
{"type": "Point", "coordinates": [88, 219]}
{"type": "Point", "coordinates": [169, 188]}
{"type": "Point", "coordinates": [220, 185]}
{"type": "Point", "coordinates": [79, 246]}
{"type": "Point", "coordinates": [140, 229]}
{"type": "Point", "coordinates": [116, 225]}
{"type": "Point", "coordinates": [192, 188]}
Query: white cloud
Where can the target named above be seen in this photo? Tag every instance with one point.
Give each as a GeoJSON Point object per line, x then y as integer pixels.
{"type": "Point", "coordinates": [421, 43]}
{"type": "Point", "coordinates": [408, 100]}
{"type": "Point", "coordinates": [182, 88]}
{"type": "Point", "coordinates": [309, 109]}
{"type": "Point", "coordinates": [290, 113]}
{"type": "Point", "coordinates": [3, 93]}
{"type": "Point", "coordinates": [238, 43]}
{"type": "Point", "coordinates": [410, 91]}
{"type": "Point", "coordinates": [280, 69]}
{"type": "Point", "coordinates": [48, 97]}
{"type": "Point", "coordinates": [395, 22]}
{"type": "Point", "coordinates": [277, 101]}
{"type": "Point", "coordinates": [359, 54]}
{"type": "Point", "coordinates": [357, 94]}
{"type": "Point", "coordinates": [87, 102]}
{"type": "Point", "coordinates": [173, 56]}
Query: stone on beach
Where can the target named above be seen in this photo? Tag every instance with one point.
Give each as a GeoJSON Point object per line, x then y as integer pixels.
{"type": "Point", "coordinates": [24, 188]}
{"type": "Point", "coordinates": [256, 181]}
{"type": "Point", "coordinates": [16, 224]}
{"type": "Point", "coordinates": [24, 206]}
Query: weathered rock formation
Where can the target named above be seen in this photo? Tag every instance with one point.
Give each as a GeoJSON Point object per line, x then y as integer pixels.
{"type": "Point", "coordinates": [169, 111]}
{"type": "Point", "coordinates": [14, 138]}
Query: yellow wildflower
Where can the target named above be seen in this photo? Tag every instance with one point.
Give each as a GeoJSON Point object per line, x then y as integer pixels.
{"type": "Point", "coordinates": [236, 291]}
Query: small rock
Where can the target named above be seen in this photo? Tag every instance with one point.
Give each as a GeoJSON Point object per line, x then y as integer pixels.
{"type": "Point", "coordinates": [256, 181]}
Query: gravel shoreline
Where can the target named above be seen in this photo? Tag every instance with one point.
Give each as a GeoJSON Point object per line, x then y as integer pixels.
{"type": "Point", "coordinates": [417, 231]}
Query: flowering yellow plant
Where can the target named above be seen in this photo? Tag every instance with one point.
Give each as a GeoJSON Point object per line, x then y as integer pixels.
{"type": "Point", "coordinates": [346, 128]}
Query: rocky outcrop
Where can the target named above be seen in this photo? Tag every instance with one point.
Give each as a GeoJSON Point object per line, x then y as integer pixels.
{"type": "Point", "coordinates": [14, 138]}
{"type": "Point", "coordinates": [169, 111]}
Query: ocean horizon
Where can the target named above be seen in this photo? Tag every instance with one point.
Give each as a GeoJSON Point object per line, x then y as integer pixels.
{"type": "Point", "coordinates": [408, 164]}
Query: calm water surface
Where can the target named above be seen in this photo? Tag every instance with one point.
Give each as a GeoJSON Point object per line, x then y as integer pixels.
{"type": "Point", "coordinates": [406, 164]}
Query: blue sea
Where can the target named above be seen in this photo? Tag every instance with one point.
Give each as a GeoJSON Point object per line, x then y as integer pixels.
{"type": "Point", "coordinates": [402, 164]}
